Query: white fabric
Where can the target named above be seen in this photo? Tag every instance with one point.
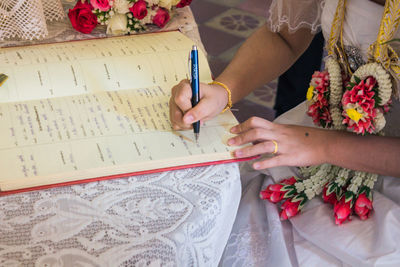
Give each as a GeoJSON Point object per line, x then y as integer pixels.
{"type": "Point", "coordinates": [312, 238]}
{"type": "Point", "coordinates": [295, 14]}
{"type": "Point", "coordinates": [26, 19]}
{"type": "Point", "coordinates": [176, 218]}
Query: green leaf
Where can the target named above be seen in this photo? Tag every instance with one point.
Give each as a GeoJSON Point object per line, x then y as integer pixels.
{"type": "Point", "coordinates": [368, 193]}
{"type": "Point", "coordinates": [331, 188]}
{"type": "Point", "coordinates": [289, 193]}
{"type": "Point", "coordinates": [302, 203]}
{"type": "Point", "coordinates": [339, 191]}
{"type": "Point", "coordinates": [358, 80]}
{"type": "Point", "coordinates": [362, 190]}
{"type": "Point", "coordinates": [287, 188]}
{"type": "Point", "coordinates": [348, 196]}
{"type": "Point", "coordinates": [297, 198]}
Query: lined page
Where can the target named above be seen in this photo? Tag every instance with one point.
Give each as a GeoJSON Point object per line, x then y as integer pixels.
{"type": "Point", "coordinates": [81, 67]}
{"type": "Point", "coordinates": [94, 108]}
{"type": "Point", "coordinates": [104, 133]}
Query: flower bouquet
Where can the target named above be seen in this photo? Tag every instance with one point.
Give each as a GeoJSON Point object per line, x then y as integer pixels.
{"type": "Point", "coordinates": [122, 16]}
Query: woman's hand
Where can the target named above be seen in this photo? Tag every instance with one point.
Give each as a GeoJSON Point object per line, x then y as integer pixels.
{"type": "Point", "coordinates": [296, 145]}
{"type": "Point", "coordinates": [213, 99]}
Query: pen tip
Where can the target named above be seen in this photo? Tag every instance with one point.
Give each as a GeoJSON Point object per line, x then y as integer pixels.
{"type": "Point", "coordinates": [196, 136]}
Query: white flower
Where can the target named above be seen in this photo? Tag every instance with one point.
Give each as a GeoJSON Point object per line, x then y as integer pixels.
{"type": "Point", "coordinates": [168, 4]}
{"type": "Point", "coordinates": [353, 188]}
{"type": "Point", "coordinates": [319, 190]}
{"type": "Point", "coordinates": [152, 2]}
{"type": "Point", "coordinates": [358, 181]}
{"type": "Point", "coordinates": [308, 183]}
{"type": "Point", "coordinates": [370, 184]}
{"type": "Point", "coordinates": [335, 81]}
{"type": "Point", "coordinates": [121, 6]}
{"type": "Point", "coordinates": [379, 121]}
{"type": "Point", "coordinates": [149, 17]}
{"type": "Point", "coordinates": [299, 186]}
{"type": "Point", "coordinates": [309, 193]}
{"type": "Point", "coordinates": [117, 25]}
{"type": "Point", "coordinates": [335, 91]}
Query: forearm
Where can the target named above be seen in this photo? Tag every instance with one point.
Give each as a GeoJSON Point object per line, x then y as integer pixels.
{"type": "Point", "coordinates": [375, 154]}
{"type": "Point", "coordinates": [262, 58]}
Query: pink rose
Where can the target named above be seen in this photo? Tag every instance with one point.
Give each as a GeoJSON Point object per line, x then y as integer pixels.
{"type": "Point", "coordinates": [81, 17]}
{"type": "Point", "coordinates": [103, 5]}
{"type": "Point", "coordinates": [289, 209]}
{"type": "Point", "coordinates": [139, 9]}
{"type": "Point", "coordinates": [161, 18]}
{"type": "Point", "coordinates": [183, 3]}
{"type": "Point", "coordinates": [363, 206]}
{"type": "Point", "coordinates": [342, 211]}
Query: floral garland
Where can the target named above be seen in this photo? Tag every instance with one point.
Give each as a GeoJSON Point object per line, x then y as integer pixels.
{"type": "Point", "coordinates": [338, 101]}
{"type": "Point", "coordinates": [122, 16]}
{"type": "Point", "coordinates": [355, 103]}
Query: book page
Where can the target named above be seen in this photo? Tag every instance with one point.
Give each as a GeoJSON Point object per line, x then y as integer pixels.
{"type": "Point", "coordinates": [96, 108]}
{"type": "Point", "coordinates": [110, 64]}
{"type": "Point", "coordinates": [104, 133]}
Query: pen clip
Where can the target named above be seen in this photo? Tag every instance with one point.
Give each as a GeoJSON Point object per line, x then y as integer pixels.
{"type": "Point", "coordinates": [189, 65]}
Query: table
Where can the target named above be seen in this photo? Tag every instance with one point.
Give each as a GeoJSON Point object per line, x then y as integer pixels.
{"type": "Point", "coordinates": [175, 218]}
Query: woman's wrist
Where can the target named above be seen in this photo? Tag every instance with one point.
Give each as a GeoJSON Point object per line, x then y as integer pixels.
{"type": "Point", "coordinates": [227, 102]}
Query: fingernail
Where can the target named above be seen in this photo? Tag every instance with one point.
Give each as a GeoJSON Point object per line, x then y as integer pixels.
{"type": "Point", "coordinates": [233, 129]}
{"type": "Point", "coordinates": [238, 153]}
{"type": "Point", "coordinates": [256, 166]}
{"type": "Point", "coordinates": [231, 141]}
{"type": "Point", "coordinates": [189, 119]}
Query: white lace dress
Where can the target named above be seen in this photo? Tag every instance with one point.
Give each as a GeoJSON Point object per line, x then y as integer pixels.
{"type": "Point", "coordinates": [311, 238]}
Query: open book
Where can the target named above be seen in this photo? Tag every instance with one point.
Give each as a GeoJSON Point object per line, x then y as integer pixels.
{"type": "Point", "coordinates": [85, 110]}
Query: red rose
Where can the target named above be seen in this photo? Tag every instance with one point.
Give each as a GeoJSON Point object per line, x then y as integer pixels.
{"type": "Point", "coordinates": [161, 18]}
{"type": "Point", "coordinates": [342, 210]}
{"type": "Point", "coordinates": [331, 198]}
{"type": "Point", "coordinates": [363, 206]}
{"type": "Point", "coordinates": [183, 3]}
{"type": "Point", "coordinates": [139, 9]}
{"type": "Point", "coordinates": [289, 181]}
{"type": "Point", "coordinates": [289, 209]}
{"type": "Point", "coordinates": [82, 18]}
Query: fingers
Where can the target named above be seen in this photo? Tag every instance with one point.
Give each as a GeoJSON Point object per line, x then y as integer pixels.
{"type": "Point", "coordinates": [176, 116]}
{"type": "Point", "coordinates": [280, 160]}
{"type": "Point", "coordinates": [254, 150]}
{"type": "Point", "coordinates": [252, 135]}
{"type": "Point", "coordinates": [182, 114]}
{"type": "Point", "coordinates": [199, 112]}
{"type": "Point", "coordinates": [182, 95]}
{"type": "Point", "coordinates": [253, 122]}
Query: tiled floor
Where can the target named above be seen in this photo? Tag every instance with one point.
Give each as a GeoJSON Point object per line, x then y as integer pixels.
{"type": "Point", "coordinates": [223, 26]}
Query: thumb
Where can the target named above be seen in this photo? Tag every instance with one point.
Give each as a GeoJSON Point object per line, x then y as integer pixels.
{"type": "Point", "coordinates": [199, 112]}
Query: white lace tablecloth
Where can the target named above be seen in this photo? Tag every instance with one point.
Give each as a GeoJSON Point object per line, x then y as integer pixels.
{"type": "Point", "coordinates": [176, 218]}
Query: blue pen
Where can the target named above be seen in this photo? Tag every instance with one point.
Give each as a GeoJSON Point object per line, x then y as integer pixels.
{"type": "Point", "coordinates": [194, 82]}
